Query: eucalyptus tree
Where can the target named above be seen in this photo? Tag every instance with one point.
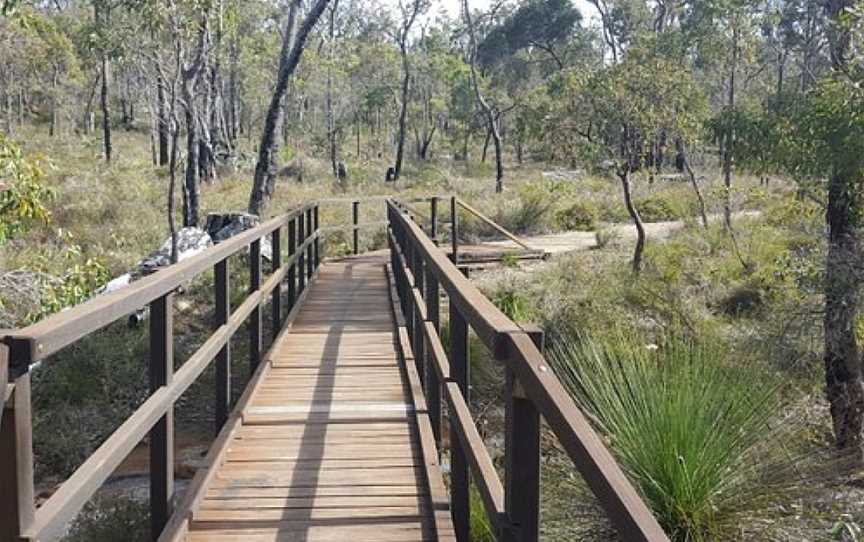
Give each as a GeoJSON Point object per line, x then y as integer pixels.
{"type": "Point", "coordinates": [627, 105]}
{"type": "Point", "coordinates": [488, 112]}
{"type": "Point", "coordinates": [293, 45]}
{"type": "Point", "coordinates": [409, 10]}
{"type": "Point", "coordinates": [819, 140]}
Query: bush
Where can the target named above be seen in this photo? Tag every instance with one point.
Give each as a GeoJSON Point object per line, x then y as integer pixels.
{"type": "Point", "coordinates": [581, 216]}
{"type": "Point", "coordinates": [528, 212]}
{"type": "Point", "coordinates": [606, 236]}
{"type": "Point", "coordinates": [658, 208]}
{"type": "Point", "coordinates": [108, 519]}
{"type": "Point", "coordinates": [691, 431]}
{"type": "Point", "coordinates": [23, 199]}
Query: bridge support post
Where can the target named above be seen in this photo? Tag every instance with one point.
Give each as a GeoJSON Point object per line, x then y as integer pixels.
{"type": "Point", "coordinates": [522, 456]}
{"type": "Point", "coordinates": [433, 219]}
{"type": "Point", "coordinates": [223, 358]}
{"type": "Point", "coordinates": [301, 262]}
{"type": "Point", "coordinates": [162, 434]}
{"type": "Point", "coordinates": [454, 229]}
{"type": "Point", "coordinates": [460, 506]}
{"type": "Point", "coordinates": [255, 343]}
{"type": "Point", "coordinates": [16, 458]}
{"type": "Point", "coordinates": [317, 243]}
{"type": "Point", "coordinates": [292, 269]}
{"type": "Point", "coordinates": [275, 264]}
{"type": "Point", "coordinates": [310, 257]}
{"type": "Point", "coordinates": [355, 216]}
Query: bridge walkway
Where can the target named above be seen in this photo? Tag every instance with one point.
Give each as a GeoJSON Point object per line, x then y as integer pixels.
{"type": "Point", "coordinates": [328, 448]}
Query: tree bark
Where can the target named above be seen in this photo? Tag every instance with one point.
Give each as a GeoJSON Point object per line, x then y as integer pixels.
{"type": "Point", "coordinates": [292, 49]}
{"type": "Point", "coordinates": [162, 122]}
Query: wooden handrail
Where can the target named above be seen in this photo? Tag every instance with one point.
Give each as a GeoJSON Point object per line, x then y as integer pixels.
{"type": "Point", "coordinates": [530, 377]}
{"type": "Point", "coordinates": [494, 224]}
{"type": "Point", "coordinates": [40, 340]}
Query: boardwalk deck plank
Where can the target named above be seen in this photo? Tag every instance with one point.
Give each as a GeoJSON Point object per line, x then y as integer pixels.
{"type": "Point", "coordinates": [329, 448]}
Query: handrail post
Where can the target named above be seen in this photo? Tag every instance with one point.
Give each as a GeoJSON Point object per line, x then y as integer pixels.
{"type": "Point", "coordinates": [292, 269]}
{"type": "Point", "coordinates": [310, 257]}
{"type": "Point", "coordinates": [433, 219]}
{"type": "Point", "coordinates": [315, 232]}
{"type": "Point", "coordinates": [522, 455]}
{"type": "Point", "coordinates": [275, 264]}
{"type": "Point", "coordinates": [223, 358]}
{"type": "Point", "coordinates": [459, 475]}
{"type": "Point", "coordinates": [16, 459]}
{"type": "Point", "coordinates": [355, 217]}
{"type": "Point", "coordinates": [454, 229]}
{"type": "Point", "coordinates": [255, 344]}
{"type": "Point", "coordinates": [433, 385]}
{"type": "Point", "coordinates": [162, 434]}
{"type": "Point", "coordinates": [301, 262]}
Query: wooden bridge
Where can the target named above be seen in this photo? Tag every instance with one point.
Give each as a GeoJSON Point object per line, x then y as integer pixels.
{"type": "Point", "coordinates": [340, 431]}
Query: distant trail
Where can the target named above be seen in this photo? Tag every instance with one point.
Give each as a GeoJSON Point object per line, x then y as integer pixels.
{"type": "Point", "coordinates": [572, 241]}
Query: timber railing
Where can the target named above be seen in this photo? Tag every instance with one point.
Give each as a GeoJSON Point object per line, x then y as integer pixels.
{"type": "Point", "coordinates": [21, 349]}
{"type": "Point", "coordinates": [421, 271]}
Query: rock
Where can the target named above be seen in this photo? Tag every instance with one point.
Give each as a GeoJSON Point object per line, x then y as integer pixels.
{"type": "Point", "coordinates": [222, 226]}
{"type": "Point", "coordinates": [115, 284]}
{"type": "Point", "coordinates": [190, 241]}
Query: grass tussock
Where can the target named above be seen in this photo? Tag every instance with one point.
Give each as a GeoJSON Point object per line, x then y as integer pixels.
{"type": "Point", "coordinates": [697, 435]}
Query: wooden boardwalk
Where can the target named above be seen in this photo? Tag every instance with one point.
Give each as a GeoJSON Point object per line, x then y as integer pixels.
{"type": "Point", "coordinates": [329, 448]}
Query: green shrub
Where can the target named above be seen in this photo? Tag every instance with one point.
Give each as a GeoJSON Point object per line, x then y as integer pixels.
{"type": "Point", "coordinates": [691, 431]}
{"type": "Point", "coordinates": [481, 528]}
{"type": "Point", "coordinates": [658, 208]}
{"type": "Point", "coordinates": [23, 196]}
{"type": "Point", "coordinates": [744, 300]}
{"type": "Point", "coordinates": [82, 277]}
{"type": "Point", "coordinates": [513, 302]}
{"type": "Point", "coordinates": [606, 236]}
{"type": "Point", "coordinates": [109, 519]}
{"type": "Point", "coordinates": [580, 216]}
{"type": "Point", "coordinates": [526, 213]}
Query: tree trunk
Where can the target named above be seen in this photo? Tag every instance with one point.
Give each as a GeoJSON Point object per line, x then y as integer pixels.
{"type": "Point", "coordinates": [162, 122]}
{"type": "Point", "coordinates": [191, 190]}
{"type": "Point", "coordinates": [843, 376]}
{"type": "Point", "coordinates": [486, 146]}
{"type": "Point", "coordinates": [106, 113]}
{"type": "Point", "coordinates": [403, 113]}
{"type": "Point", "coordinates": [730, 136]}
{"type": "Point", "coordinates": [844, 384]}
{"type": "Point", "coordinates": [491, 117]}
{"type": "Point", "coordinates": [685, 161]}
{"type": "Point", "coordinates": [331, 120]}
{"type": "Point", "coordinates": [624, 175]}
{"type": "Point", "coordinates": [52, 128]}
{"type": "Point", "coordinates": [265, 170]}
